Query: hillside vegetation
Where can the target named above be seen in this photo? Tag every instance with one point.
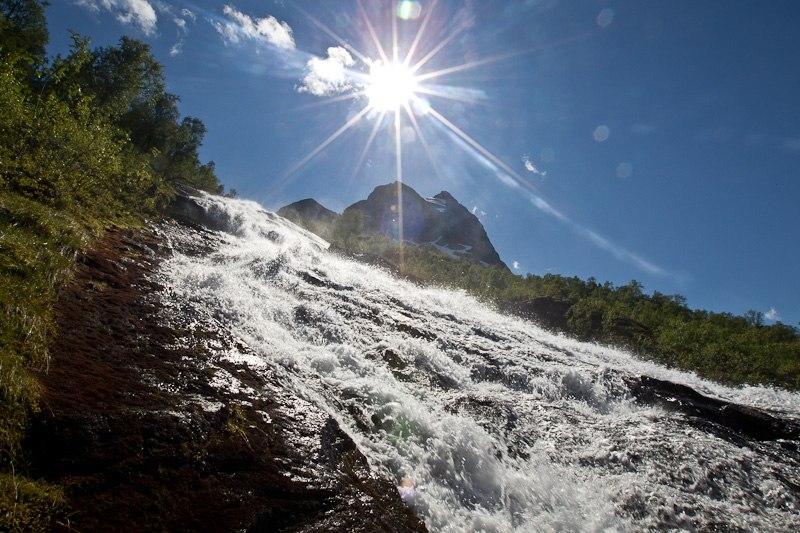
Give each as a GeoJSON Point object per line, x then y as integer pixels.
{"type": "Point", "coordinates": [87, 141]}
{"type": "Point", "coordinates": [720, 346]}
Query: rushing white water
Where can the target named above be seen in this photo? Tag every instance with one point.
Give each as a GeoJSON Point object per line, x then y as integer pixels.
{"type": "Point", "coordinates": [502, 426]}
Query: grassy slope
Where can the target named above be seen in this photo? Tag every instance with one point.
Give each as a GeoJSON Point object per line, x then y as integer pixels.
{"type": "Point", "coordinates": [37, 247]}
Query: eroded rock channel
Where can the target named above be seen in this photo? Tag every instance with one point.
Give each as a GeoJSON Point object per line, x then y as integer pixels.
{"type": "Point", "coordinates": [147, 429]}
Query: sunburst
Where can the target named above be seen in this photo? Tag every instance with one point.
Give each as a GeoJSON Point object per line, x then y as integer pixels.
{"type": "Point", "coordinates": [390, 87]}
{"type": "Point", "coordinates": [400, 93]}
{"type": "Point", "coordinates": [398, 86]}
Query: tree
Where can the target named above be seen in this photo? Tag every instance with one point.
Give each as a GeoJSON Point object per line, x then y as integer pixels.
{"type": "Point", "coordinates": [754, 318]}
{"type": "Point", "coordinates": [123, 77]}
{"type": "Point", "coordinates": [585, 318]}
{"type": "Point", "coordinates": [348, 228]}
{"type": "Point", "coordinates": [23, 29]}
{"type": "Point", "coordinates": [124, 86]}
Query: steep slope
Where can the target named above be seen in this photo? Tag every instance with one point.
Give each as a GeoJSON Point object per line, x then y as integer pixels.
{"type": "Point", "coordinates": [399, 212]}
{"type": "Point", "coordinates": [147, 427]}
{"type": "Point", "coordinates": [312, 215]}
{"type": "Point", "coordinates": [501, 425]}
{"type": "Point", "coordinates": [244, 378]}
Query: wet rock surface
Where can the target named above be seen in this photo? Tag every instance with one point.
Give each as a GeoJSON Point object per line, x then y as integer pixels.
{"type": "Point", "coordinates": [743, 420]}
{"type": "Point", "coordinates": [143, 427]}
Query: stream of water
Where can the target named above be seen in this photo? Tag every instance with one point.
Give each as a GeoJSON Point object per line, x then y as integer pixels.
{"type": "Point", "coordinates": [500, 425]}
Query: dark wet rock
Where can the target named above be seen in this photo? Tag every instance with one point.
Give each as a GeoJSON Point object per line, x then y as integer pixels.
{"type": "Point", "coordinates": [311, 279]}
{"type": "Point", "coordinates": [414, 331]}
{"type": "Point", "coordinates": [186, 209]}
{"type": "Point", "coordinates": [486, 334]}
{"type": "Point", "coordinates": [137, 430]}
{"type": "Point", "coordinates": [266, 268]}
{"type": "Point", "coordinates": [743, 420]}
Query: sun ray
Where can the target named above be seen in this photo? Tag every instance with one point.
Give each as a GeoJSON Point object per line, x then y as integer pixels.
{"type": "Point", "coordinates": [371, 30]}
{"type": "Point", "coordinates": [395, 45]}
{"type": "Point", "coordinates": [418, 36]}
{"type": "Point", "coordinates": [330, 100]}
{"type": "Point", "coordinates": [375, 128]}
{"type": "Point", "coordinates": [349, 47]}
{"type": "Point", "coordinates": [485, 152]}
{"type": "Point", "coordinates": [438, 48]}
{"type": "Point", "coordinates": [410, 104]}
{"type": "Point", "coordinates": [423, 141]}
{"type": "Point", "coordinates": [324, 144]}
{"type": "Point", "coordinates": [458, 94]}
{"type": "Point", "coordinates": [398, 151]}
{"type": "Point", "coordinates": [498, 58]}
{"type": "Point", "coordinates": [465, 66]}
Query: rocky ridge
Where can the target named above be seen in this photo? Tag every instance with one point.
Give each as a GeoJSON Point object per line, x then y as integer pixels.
{"type": "Point", "coordinates": [397, 211]}
{"type": "Point", "coordinates": [311, 215]}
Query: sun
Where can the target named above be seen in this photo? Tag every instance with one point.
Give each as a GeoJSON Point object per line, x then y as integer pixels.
{"type": "Point", "coordinates": [390, 86]}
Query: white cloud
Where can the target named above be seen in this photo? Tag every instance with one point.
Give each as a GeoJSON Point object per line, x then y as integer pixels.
{"type": "Point", "coordinates": [139, 13]}
{"type": "Point", "coordinates": [515, 265]}
{"type": "Point", "coordinates": [328, 76]}
{"type": "Point", "coordinates": [188, 14]}
{"type": "Point", "coordinates": [242, 26]}
{"type": "Point", "coordinates": [227, 31]}
{"type": "Point", "coordinates": [530, 167]}
{"type": "Point", "coordinates": [772, 314]}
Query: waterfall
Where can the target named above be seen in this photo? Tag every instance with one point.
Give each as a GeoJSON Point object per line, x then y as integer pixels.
{"type": "Point", "coordinates": [484, 421]}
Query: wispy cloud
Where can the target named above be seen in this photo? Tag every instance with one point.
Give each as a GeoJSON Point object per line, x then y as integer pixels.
{"type": "Point", "coordinates": [328, 76]}
{"type": "Point", "coordinates": [181, 19]}
{"type": "Point", "coordinates": [792, 145]}
{"type": "Point", "coordinates": [772, 314]}
{"type": "Point", "coordinates": [240, 26]}
{"type": "Point", "coordinates": [643, 128]}
{"type": "Point", "coordinates": [138, 13]}
{"type": "Point", "coordinates": [530, 167]}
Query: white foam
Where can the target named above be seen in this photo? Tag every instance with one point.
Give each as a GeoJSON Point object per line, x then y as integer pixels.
{"type": "Point", "coordinates": [502, 425]}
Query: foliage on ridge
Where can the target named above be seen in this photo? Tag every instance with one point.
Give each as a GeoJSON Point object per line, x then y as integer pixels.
{"type": "Point", "coordinates": [720, 346]}
{"type": "Point", "coordinates": [87, 140]}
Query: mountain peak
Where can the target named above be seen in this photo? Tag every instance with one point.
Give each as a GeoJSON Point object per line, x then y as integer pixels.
{"type": "Point", "coordinates": [444, 195]}
{"type": "Point", "coordinates": [309, 209]}
{"type": "Point", "coordinates": [397, 211]}
{"type": "Point", "coordinates": [312, 215]}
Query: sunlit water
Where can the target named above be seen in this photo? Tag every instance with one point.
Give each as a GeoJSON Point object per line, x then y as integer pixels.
{"type": "Point", "coordinates": [501, 425]}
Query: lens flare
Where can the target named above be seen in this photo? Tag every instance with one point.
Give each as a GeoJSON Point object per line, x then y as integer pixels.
{"type": "Point", "coordinates": [408, 10]}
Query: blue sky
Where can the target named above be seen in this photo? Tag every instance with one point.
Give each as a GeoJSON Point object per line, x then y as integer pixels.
{"type": "Point", "coordinates": [647, 140]}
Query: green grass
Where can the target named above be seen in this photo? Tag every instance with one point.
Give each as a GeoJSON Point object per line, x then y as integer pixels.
{"type": "Point", "coordinates": [37, 249]}
{"type": "Point", "coordinates": [29, 505]}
